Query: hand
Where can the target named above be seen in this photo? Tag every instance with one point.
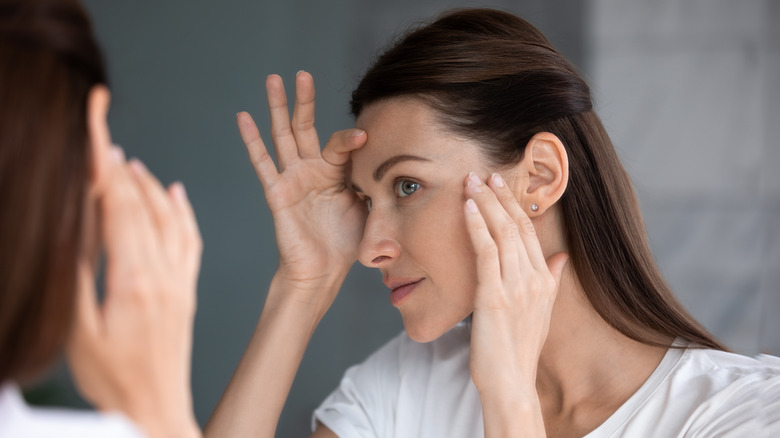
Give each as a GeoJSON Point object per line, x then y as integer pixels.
{"type": "Point", "coordinates": [516, 290]}
{"type": "Point", "coordinates": [318, 220]}
{"type": "Point", "coordinates": [132, 353]}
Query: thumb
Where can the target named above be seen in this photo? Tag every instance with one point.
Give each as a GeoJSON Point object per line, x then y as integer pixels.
{"type": "Point", "coordinates": [341, 143]}
{"type": "Point", "coordinates": [556, 263]}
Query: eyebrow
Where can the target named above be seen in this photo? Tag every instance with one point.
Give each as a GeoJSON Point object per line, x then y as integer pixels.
{"type": "Point", "coordinates": [392, 161]}
{"type": "Point", "coordinates": [386, 165]}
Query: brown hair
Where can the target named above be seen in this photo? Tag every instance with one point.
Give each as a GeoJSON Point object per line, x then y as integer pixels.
{"type": "Point", "coordinates": [48, 62]}
{"type": "Point", "coordinates": [491, 75]}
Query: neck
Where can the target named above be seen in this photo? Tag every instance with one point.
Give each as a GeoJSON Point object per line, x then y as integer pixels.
{"type": "Point", "coordinates": [587, 369]}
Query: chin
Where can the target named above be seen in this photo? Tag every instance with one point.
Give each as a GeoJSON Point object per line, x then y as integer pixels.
{"type": "Point", "coordinates": [422, 332]}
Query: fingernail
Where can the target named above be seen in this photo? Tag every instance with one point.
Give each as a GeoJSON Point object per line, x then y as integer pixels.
{"type": "Point", "coordinates": [471, 206]}
{"type": "Point", "coordinates": [178, 191]}
{"type": "Point", "coordinates": [117, 154]}
{"type": "Point", "coordinates": [299, 72]}
{"type": "Point", "coordinates": [497, 180]}
{"type": "Point", "coordinates": [474, 182]}
{"type": "Point", "coordinates": [358, 132]}
{"type": "Point", "coordinates": [137, 166]}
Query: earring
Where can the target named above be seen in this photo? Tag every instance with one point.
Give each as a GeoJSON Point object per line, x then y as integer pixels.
{"type": "Point", "coordinates": [534, 207]}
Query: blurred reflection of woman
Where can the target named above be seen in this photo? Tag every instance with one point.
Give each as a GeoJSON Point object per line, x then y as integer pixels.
{"type": "Point", "coordinates": [67, 195]}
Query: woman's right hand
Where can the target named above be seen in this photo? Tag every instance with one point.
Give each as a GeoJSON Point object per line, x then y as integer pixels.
{"type": "Point", "coordinates": [319, 223]}
{"type": "Point", "coordinates": [318, 220]}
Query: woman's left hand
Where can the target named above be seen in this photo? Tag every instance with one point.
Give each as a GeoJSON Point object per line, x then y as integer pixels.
{"type": "Point", "coordinates": [131, 353]}
{"type": "Point", "coordinates": [516, 290]}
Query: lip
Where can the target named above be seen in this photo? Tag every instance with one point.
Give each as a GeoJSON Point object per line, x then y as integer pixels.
{"type": "Point", "coordinates": [401, 288]}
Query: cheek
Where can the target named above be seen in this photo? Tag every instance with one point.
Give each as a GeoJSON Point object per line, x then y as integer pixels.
{"type": "Point", "coordinates": [450, 258]}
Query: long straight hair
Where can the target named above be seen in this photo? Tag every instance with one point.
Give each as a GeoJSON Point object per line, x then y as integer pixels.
{"type": "Point", "coordinates": [492, 77]}
{"type": "Point", "coordinates": [48, 62]}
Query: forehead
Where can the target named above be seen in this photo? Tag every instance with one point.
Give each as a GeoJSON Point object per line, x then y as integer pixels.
{"type": "Point", "coordinates": [405, 126]}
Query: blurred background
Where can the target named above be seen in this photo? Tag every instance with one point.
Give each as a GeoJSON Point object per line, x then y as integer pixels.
{"type": "Point", "coordinates": [688, 90]}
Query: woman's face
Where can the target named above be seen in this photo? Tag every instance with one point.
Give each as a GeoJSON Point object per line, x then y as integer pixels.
{"type": "Point", "coordinates": [411, 173]}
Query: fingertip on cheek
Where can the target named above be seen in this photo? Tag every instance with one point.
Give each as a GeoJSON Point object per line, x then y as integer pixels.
{"type": "Point", "coordinates": [471, 206]}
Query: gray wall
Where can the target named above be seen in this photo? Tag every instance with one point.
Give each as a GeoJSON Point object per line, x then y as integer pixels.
{"type": "Point", "coordinates": [690, 93]}
{"type": "Point", "coordinates": [182, 69]}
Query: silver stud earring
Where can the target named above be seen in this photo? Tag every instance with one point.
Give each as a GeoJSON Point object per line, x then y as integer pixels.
{"type": "Point", "coordinates": [534, 207]}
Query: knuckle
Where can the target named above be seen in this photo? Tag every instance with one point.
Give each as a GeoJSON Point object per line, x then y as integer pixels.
{"type": "Point", "coordinates": [165, 222]}
{"type": "Point", "coordinates": [281, 131]}
{"type": "Point", "coordinates": [509, 230]}
{"type": "Point", "coordinates": [505, 196]}
{"type": "Point", "coordinates": [488, 250]}
{"type": "Point", "coordinates": [493, 296]}
{"type": "Point", "coordinates": [525, 224]}
{"type": "Point", "coordinates": [304, 125]}
{"type": "Point", "coordinates": [337, 138]}
{"type": "Point", "coordinates": [262, 156]}
{"type": "Point", "coordinates": [139, 289]}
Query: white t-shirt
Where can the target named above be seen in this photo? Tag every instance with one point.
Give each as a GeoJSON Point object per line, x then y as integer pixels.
{"type": "Point", "coordinates": [407, 389]}
{"type": "Point", "coordinates": [18, 420]}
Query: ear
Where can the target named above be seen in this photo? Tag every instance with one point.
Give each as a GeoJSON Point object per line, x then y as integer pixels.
{"type": "Point", "coordinates": [543, 173]}
{"type": "Point", "coordinates": [98, 134]}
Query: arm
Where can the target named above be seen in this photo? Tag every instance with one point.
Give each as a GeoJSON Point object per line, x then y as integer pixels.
{"type": "Point", "coordinates": [318, 224]}
{"type": "Point", "coordinates": [256, 394]}
{"type": "Point", "coordinates": [515, 294]}
{"type": "Point", "coordinates": [132, 352]}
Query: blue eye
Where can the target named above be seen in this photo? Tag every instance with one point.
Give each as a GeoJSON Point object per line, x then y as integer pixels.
{"type": "Point", "coordinates": [405, 188]}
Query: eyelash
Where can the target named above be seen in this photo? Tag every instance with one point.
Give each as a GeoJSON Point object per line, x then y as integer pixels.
{"type": "Point", "coordinates": [397, 184]}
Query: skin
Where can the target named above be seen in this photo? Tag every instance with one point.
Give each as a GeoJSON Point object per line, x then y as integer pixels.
{"type": "Point", "coordinates": [131, 353]}
{"type": "Point", "coordinates": [417, 235]}
{"type": "Point", "coordinates": [543, 361]}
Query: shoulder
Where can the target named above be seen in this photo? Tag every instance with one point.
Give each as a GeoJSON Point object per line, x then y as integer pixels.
{"type": "Point", "coordinates": [738, 394]}
{"type": "Point", "coordinates": [17, 419]}
{"type": "Point", "coordinates": [723, 368]}
{"type": "Point", "coordinates": [393, 380]}
{"type": "Point", "coordinates": [702, 393]}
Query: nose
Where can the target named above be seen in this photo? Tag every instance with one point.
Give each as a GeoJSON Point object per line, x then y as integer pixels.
{"type": "Point", "coordinates": [378, 247]}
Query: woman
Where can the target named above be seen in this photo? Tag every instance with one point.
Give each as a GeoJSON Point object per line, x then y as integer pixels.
{"type": "Point", "coordinates": [482, 185]}
{"type": "Point", "coordinates": [66, 196]}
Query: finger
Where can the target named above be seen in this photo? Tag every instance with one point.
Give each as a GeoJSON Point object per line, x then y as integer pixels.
{"type": "Point", "coordinates": [258, 154]}
{"type": "Point", "coordinates": [159, 207]}
{"type": "Point", "coordinates": [488, 265]}
{"type": "Point", "coordinates": [281, 132]}
{"type": "Point", "coordinates": [303, 117]}
{"type": "Point", "coordinates": [193, 243]}
{"type": "Point", "coordinates": [524, 225]}
{"type": "Point", "coordinates": [556, 264]}
{"type": "Point", "coordinates": [126, 224]}
{"type": "Point", "coordinates": [512, 255]}
{"type": "Point", "coordinates": [341, 143]}
{"type": "Point", "coordinates": [86, 319]}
